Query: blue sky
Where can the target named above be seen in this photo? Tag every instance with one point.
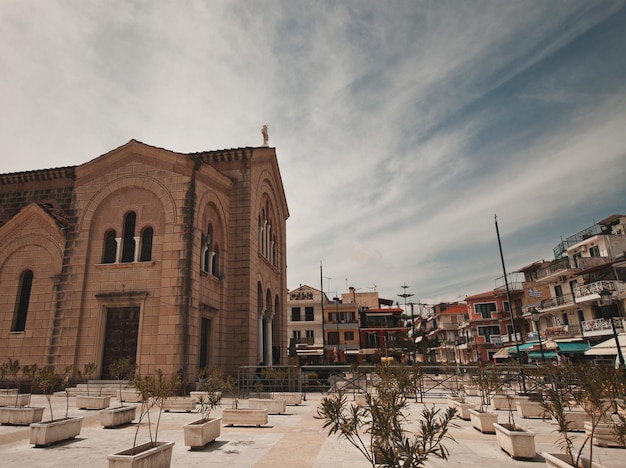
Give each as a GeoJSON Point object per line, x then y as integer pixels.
{"type": "Point", "coordinates": [401, 127]}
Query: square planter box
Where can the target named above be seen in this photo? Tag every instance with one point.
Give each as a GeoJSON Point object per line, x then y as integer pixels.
{"type": "Point", "coordinates": [604, 435]}
{"type": "Point", "coordinates": [501, 402]}
{"type": "Point", "coordinates": [49, 432]}
{"type": "Point", "coordinates": [519, 443]}
{"type": "Point", "coordinates": [21, 416]}
{"type": "Point", "coordinates": [92, 402]}
{"type": "Point", "coordinates": [8, 391]}
{"type": "Point", "coordinates": [531, 409]}
{"type": "Point", "coordinates": [272, 406]}
{"type": "Point", "coordinates": [483, 421]}
{"type": "Point", "coordinates": [14, 399]}
{"type": "Point", "coordinates": [463, 409]}
{"type": "Point", "coordinates": [114, 417]}
{"type": "Point", "coordinates": [145, 456]}
{"type": "Point", "coordinates": [576, 420]}
{"type": "Point", "coordinates": [181, 404]}
{"type": "Point", "coordinates": [290, 398]}
{"type": "Point", "coordinates": [244, 416]}
{"type": "Point", "coordinates": [131, 395]}
{"type": "Point", "coordinates": [561, 460]}
{"type": "Point", "coordinates": [199, 433]}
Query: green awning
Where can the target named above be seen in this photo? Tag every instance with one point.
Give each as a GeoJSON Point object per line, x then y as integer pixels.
{"type": "Point", "coordinates": [567, 347]}
{"type": "Point", "coordinates": [523, 347]}
{"type": "Point", "coordinates": [546, 355]}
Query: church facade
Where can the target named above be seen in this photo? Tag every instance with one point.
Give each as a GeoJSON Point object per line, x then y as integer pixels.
{"type": "Point", "coordinates": [176, 260]}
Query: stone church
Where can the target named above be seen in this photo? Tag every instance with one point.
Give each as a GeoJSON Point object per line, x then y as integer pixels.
{"type": "Point", "coordinates": [176, 260]}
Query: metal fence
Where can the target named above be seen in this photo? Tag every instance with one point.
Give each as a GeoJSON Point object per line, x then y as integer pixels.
{"type": "Point", "coordinates": [431, 381]}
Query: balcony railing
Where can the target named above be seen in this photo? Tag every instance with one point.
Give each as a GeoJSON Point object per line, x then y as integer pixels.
{"type": "Point", "coordinates": [557, 301]}
{"type": "Point", "coordinates": [304, 341]}
{"type": "Point", "coordinates": [510, 338]}
{"type": "Point", "coordinates": [556, 267]}
{"type": "Point", "coordinates": [602, 326]}
{"type": "Point", "coordinates": [594, 288]}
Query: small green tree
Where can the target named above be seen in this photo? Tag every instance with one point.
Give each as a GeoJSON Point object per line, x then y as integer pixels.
{"type": "Point", "coordinates": [154, 391]}
{"type": "Point", "coordinates": [376, 429]}
{"type": "Point", "coordinates": [213, 383]}
{"type": "Point", "coordinates": [89, 369]}
{"type": "Point", "coordinates": [48, 380]}
{"type": "Point", "coordinates": [122, 369]}
{"type": "Point", "coordinates": [13, 368]}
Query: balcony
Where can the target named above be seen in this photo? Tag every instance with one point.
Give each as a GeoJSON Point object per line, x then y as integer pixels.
{"type": "Point", "coordinates": [557, 267]}
{"type": "Point", "coordinates": [553, 333]}
{"type": "Point", "coordinates": [601, 326]}
{"type": "Point", "coordinates": [557, 301]}
{"type": "Point", "coordinates": [593, 289]}
{"type": "Point", "coordinates": [510, 338]}
{"type": "Point", "coordinates": [304, 341]}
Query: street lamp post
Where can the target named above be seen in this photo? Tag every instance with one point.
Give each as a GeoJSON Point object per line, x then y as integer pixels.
{"type": "Point", "coordinates": [606, 300]}
{"type": "Point", "coordinates": [405, 295]}
{"type": "Point", "coordinates": [534, 313]}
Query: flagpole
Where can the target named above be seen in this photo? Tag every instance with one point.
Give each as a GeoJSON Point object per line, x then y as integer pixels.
{"type": "Point", "coordinates": [508, 297]}
{"type": "Point", "coordinates": [322, 301]}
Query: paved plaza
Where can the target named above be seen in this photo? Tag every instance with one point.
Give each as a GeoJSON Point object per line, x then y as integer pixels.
{"type": "Point", "coordinates": [294, 439]}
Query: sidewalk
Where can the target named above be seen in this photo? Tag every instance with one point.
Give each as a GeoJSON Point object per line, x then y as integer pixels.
{"type": "Point", "coordinates": [295, 439]}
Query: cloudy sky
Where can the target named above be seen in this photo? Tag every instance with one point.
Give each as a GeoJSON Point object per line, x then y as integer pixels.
{"type": "Point", "coordinates": [401, 127]}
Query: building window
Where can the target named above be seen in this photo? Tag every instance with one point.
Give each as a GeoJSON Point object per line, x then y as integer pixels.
{"type": "Point", "coordinates": [109, 255]}
{"type": "Point", "coordinates": [295, 314]}
{"type": "Point", "coordinates": [310, 333]}
{"type": "Point", "coordinates": [485, 309]}
{"type": "Point", "coordinates": [23, 299]}
{"type": "Point", "coordinates": [210, 253]}
{"type": "Point", "coordinates": [333, 338]}
{"type": "Point", "coordinates": [146, 245]}
{"type": "Point", "coordinates": [348, 336]}
{"type": "Point", "coordinates": [297, 335]}
{"type": "Point", "coordinates": [488, 332]}
{"type": "Point", "coordinates": [505, 305]}
{"type": "Point", "coordinates": [308, 314]}
{"type": "Point", "coordinates": [128, 241]}
{"type": "Point", "coordinates": [594, 251]}
{"type": "Point", "coordinates": [371, 340]}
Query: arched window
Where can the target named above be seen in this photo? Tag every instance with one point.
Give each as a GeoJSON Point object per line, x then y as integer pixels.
{"type": "Point", "coordinates": [110, 247]}
{"type": "Point", "coordinates": [23, 298]}
{"type": "Point", "coordinates": [207, 250]}
{"type": "Point", "coordinates": [146, 245]}
{"type": "Point", "coordinates": [215, 261]}
{"type": "Point", "coordinates": [128, 242]}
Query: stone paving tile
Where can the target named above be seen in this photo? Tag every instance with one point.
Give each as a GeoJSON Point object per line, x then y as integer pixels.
{"type": "Point", "coordinates": [295, 439]}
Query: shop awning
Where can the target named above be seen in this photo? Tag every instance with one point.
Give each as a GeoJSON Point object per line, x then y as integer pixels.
{"type": "Point", "coordinates": [572, 347]}
{"type": "Point", "coordinates": [546, 354]}
{"type": "Point", "coordinates": [608, 348]}
{"type": "Point", "coordinates": [525, 347]}
{"type": "Point", "coordinates": [502, 353]}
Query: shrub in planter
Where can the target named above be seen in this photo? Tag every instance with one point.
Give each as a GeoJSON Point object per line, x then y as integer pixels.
{"type": "Point", "coordinates": [206, 429]}
{"type": "Point", "coordinates": [382, 418]}
{"type": "Point", "coordinates": [154, 393]}
{"type": "Point", "coordinates": [487, 381]}
{"type": "Point", "coordinates": [54, 430]}
{"type": "Point", "coordinates": [121, 369]}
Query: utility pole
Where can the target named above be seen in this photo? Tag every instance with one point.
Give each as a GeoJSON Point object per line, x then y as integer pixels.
{"type": "Point", "coordinates": [405, 295]}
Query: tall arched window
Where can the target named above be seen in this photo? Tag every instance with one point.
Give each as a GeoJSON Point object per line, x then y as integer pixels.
{"type": "Point", "coordinates": [215, 261]}
{"type": "Point", "coordinates": [146, 245]}
{"type": "Point", "coordinates": [109, 255]}
{"type": "Point", "coordinates": [128, 242]}
{"type": "Point", "coordinates": [23, 298]}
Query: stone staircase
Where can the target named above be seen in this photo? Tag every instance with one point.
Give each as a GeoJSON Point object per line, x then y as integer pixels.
{"type": "Point", "coordinates": [97, 388]}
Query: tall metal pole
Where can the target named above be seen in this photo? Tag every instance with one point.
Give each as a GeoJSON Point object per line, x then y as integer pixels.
{"type": "Point", "coordinates": [322, 301]}
{"type": "Point", "coordinates": [405, 295]}
{"type": "Point", "coordinates": [508, 297]}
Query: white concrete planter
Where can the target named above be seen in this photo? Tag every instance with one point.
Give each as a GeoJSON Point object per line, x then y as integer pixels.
{"type": "Point", "coordinates": [483, 421]}
{"type": "Point", "coordinates": [463, 409]}
{"type": "Point", "coordinates": [14, 399]}
{"type": "Point", "coordinates": [8, 391]}
{"type": "Point", "coordinates": [146, 456]}
{"type": "Point", "coordinates": [21, 416]}
{"type": "Point", "coordinates": [531, 409]}
{"type": "Point", "coordinates": [244, 416]}
{"type": "Point", "coordinates": [197, 394]}
{"type": "Point", "coordinates": [604, 435]}
{"type": "Point", "coordinates": [199, 433]}
{"type": "Point", "coordinates": [561, 460]}
{"type": "Point", "coordinates": [501, 402]}
{"type": "Point", "coordinates": [130, 394]}
{"type": "Point", "coordinates": [92, 402]}
{"type": "Point", "coordinates": [290, 398]}
{"type": "Point", "coordinates": [519, 443]}
{"type": "Point", "coordinates": [471, 390]}
{"type": "Point", "coordinates": [114, 417]}
{"type": "Point", "coordinates": [453, 400]}
{"type": "Point", "coordinates": [49, 432]}
{"type": "Point", "coordinates": [272, 406]}
{"type": "Point", "coordinates": [182, 404]}
{"type": "Point", "coordinates": [576, 420]}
